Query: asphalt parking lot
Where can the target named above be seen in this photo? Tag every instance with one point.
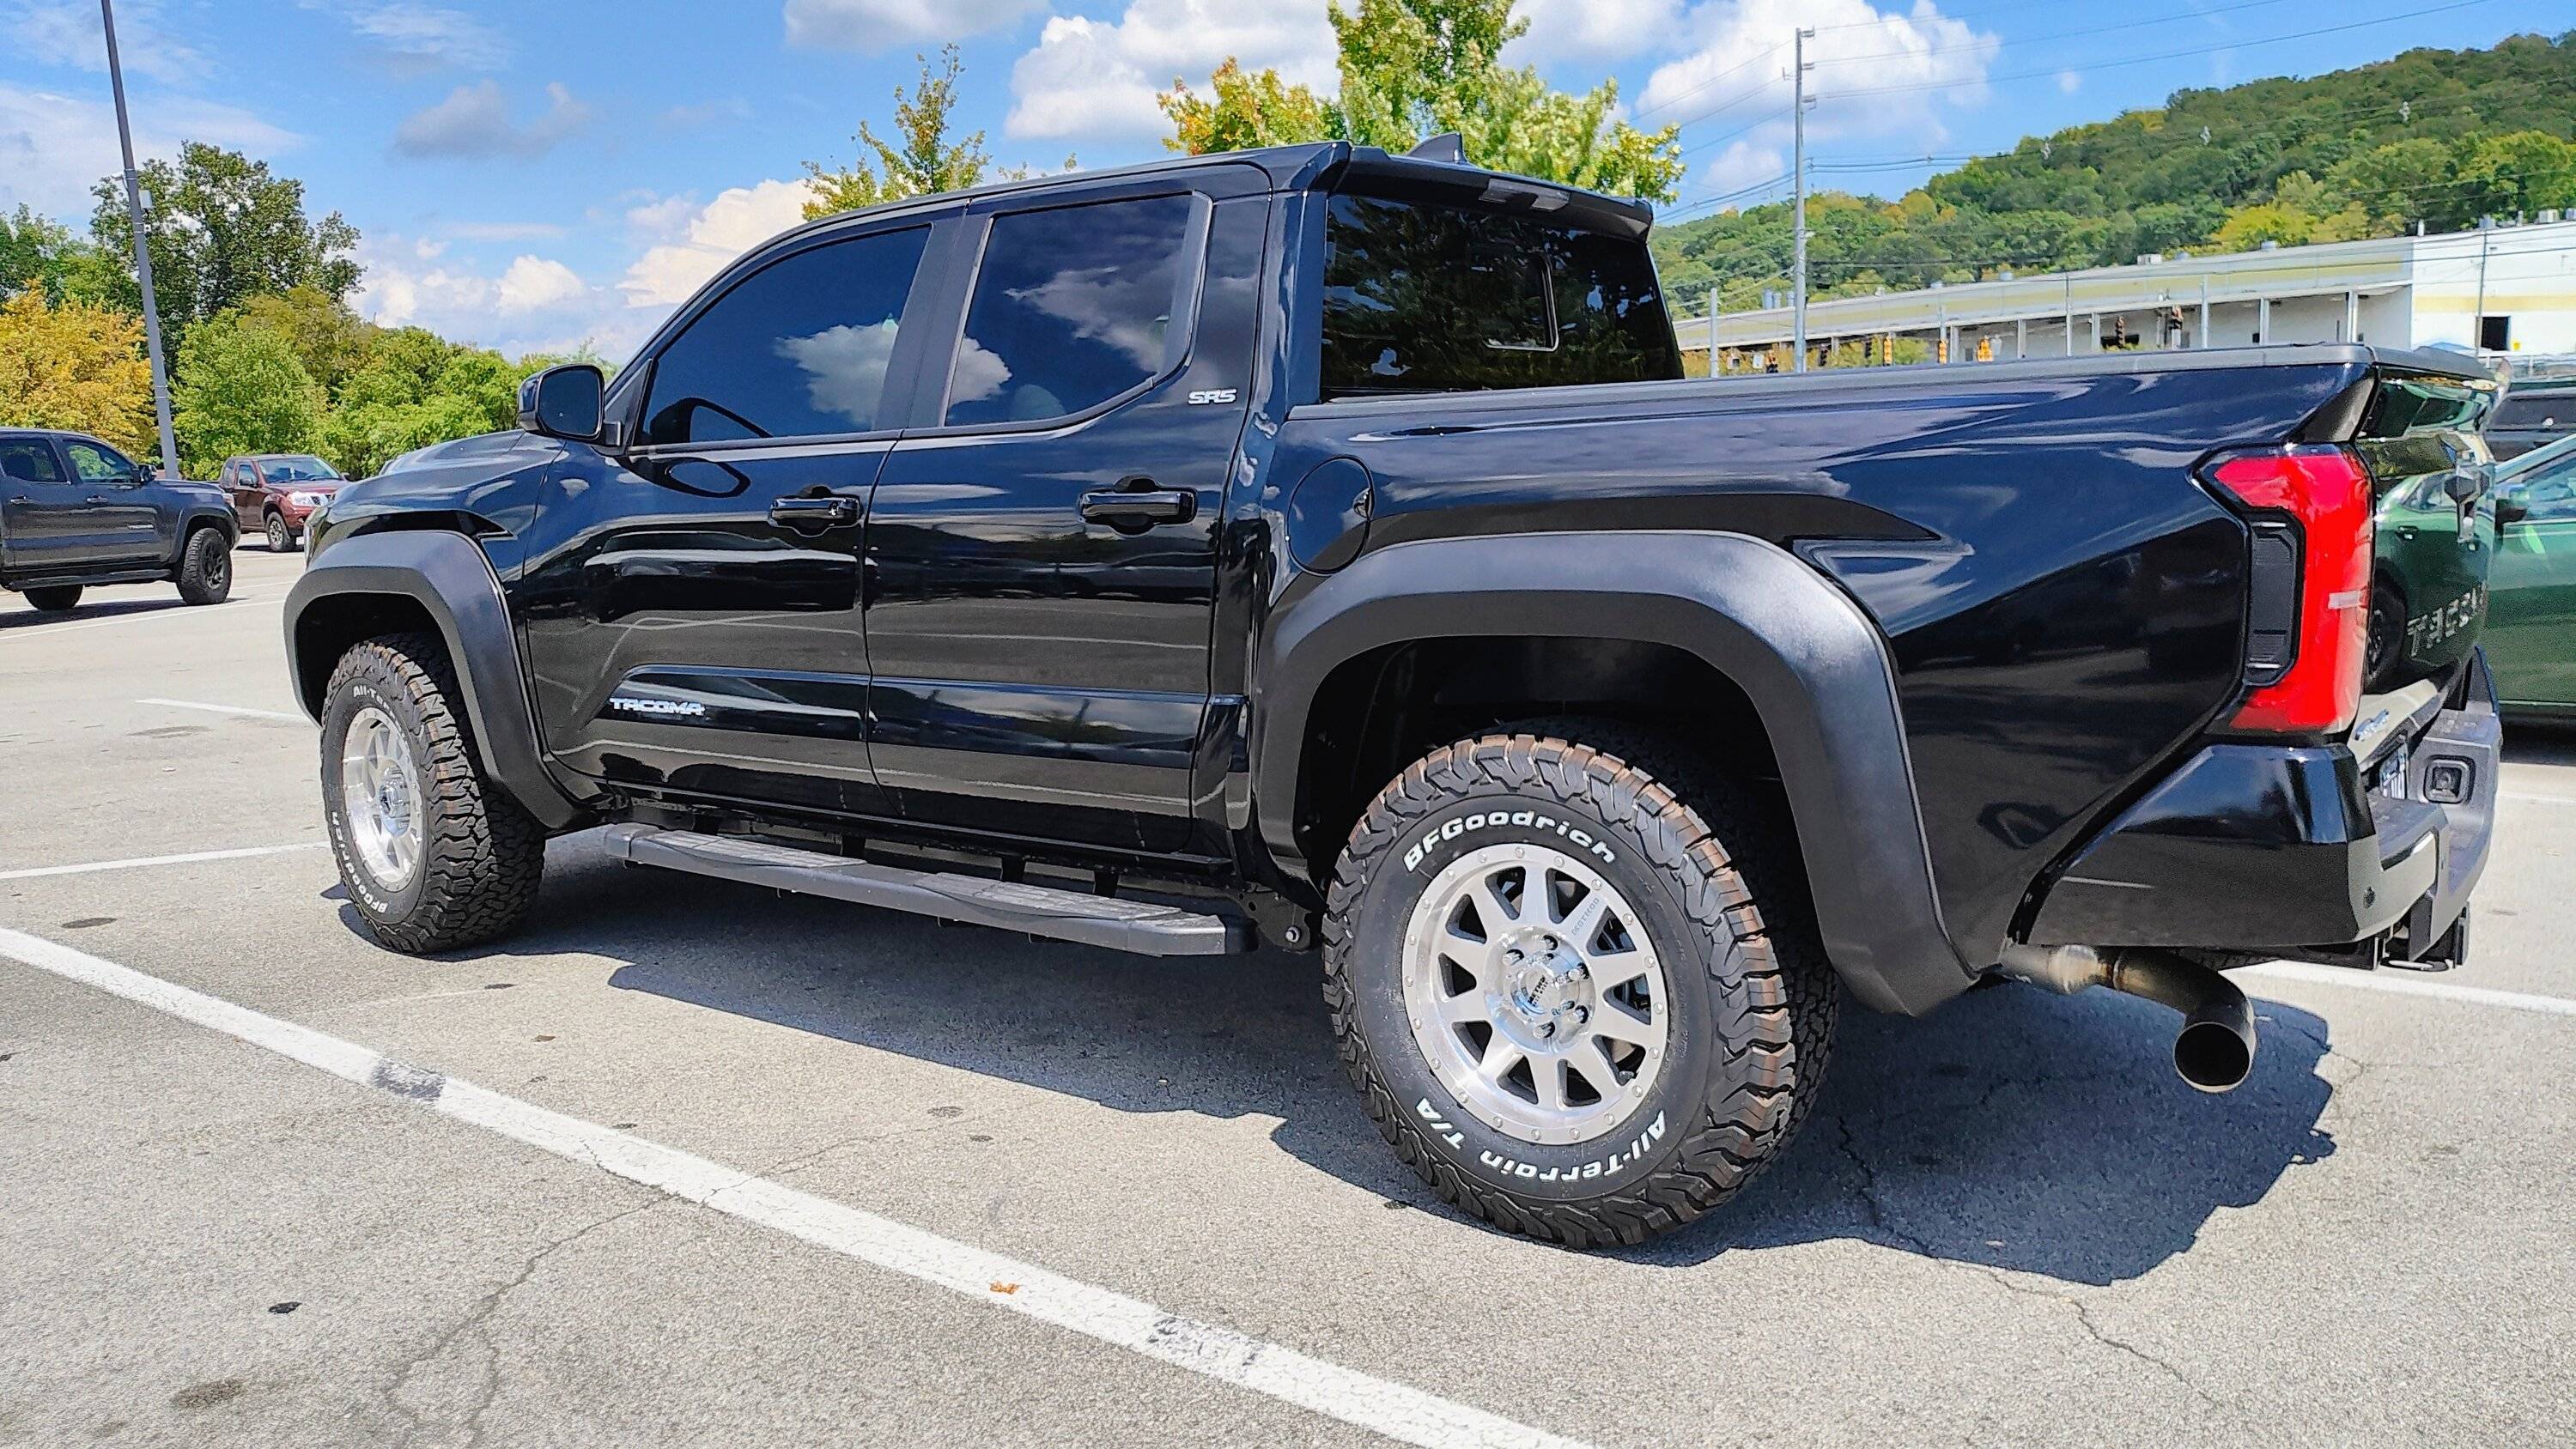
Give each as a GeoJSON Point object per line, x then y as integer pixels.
{"type": "Point", "coordinates": [759, 1170]}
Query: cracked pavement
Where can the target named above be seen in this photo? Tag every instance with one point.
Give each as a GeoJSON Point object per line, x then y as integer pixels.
{"type": "Point", "coordinates": [2005, 1223]}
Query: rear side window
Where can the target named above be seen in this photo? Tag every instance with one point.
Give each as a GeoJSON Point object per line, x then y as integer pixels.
{"type": "Point", "coordinates": [798, 349]}
{"type": "Point", "coordinates": [29, 460]}
{"type": "Point", "coordinates": [1428, 298]}
{"type": "Point", "coordinates": [1072, 307]}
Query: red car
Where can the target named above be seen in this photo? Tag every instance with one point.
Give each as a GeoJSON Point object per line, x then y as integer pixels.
{"type": "Point", "coordinates": [275, 493]}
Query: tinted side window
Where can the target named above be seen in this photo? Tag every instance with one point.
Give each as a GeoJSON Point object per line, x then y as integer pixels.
{"type": "Point", "coordinates": [2539, 410]}
{"type": "Point", "coordinates": [1425, 298]}
{"type": "Point", "coordinates": [95, 464]}
{"type": "Point", "coordinates": [797, 349]}
{"type": "Point", "coordinates": [30, 460]}
{"type": "Point", "coordinates": [1071, 308]}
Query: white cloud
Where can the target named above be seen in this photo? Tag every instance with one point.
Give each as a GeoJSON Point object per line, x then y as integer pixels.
{"type": "Point", "coordinates": [67, 32]}
{"type": "Point", "coordinates": [1864, 58]}
{"type": "Point", "coordinates": [699, 245]}
{"type": "Point", "coordinates": [1596, 28]}
{"type": "Point", "coordinates": [2068, 82]}
{"type": "Point", "coordinates": [535, 304]}
{"type": "Point", "coordinates": [428, 35]}
{"type": "Point", "coordinates": [876, 24]}
{"type": "Point", "coordinates": [845, 368]}
{"type": "Point", "coordinates": [535, 284]}
{"type": "Point", "coordinates": [1097, 79]}
{"type": "Point", "coordinates": [54, 146]}
{"type": "Point", "coordinates": [474, 122]}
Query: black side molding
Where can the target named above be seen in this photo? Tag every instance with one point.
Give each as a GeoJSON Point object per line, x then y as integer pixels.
{"type": "Point", "coordinates": [449, 577]}
{"type": "Point", "coordinates": [1814, 665]}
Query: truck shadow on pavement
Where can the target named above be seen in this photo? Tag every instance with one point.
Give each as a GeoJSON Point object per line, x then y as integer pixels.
{"type": "Point", "coordinates": [2012, 1129]}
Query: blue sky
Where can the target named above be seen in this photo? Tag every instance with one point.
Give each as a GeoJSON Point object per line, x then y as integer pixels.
{"type": "Point", "coordinates": [533, 174]}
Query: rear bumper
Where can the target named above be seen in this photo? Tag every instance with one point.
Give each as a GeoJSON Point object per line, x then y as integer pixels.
{"type": "Point", "coordinates": [2281, 851]}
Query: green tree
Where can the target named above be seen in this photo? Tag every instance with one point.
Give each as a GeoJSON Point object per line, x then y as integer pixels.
{"type": "Point", "coordinates": [222, 229]}
{"type": "Point", "coordinates": [2520, 172]}
{"type": "Point", "coordinates": [328, 338]}
{"type": "Point", "coordinates": [75, 366]}
{"type": "Point", "coordinates": [920, 161]}
{"type": "Point", "coordinates": [1415, 68]}
{"type": "Point", "coordinates": [415, 389]}
{"type": "Point", "coordinates": [2401, 181]}
{"type": "Point", "coordinates": [240, 389]}
{"type": "Point", "coordinates": [34, 253]}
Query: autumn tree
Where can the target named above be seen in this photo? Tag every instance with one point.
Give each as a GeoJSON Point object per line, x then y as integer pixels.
{"type": "Point", "coordinates": [75, 366]}
{"type": "Point", "coordinates": [1415, 68]}
{"type": "Point", "coordinates": [222, 229]}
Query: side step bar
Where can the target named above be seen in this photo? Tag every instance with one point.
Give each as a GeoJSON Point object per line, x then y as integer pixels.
{"type": "Point", "coordinates": [1143, 927]}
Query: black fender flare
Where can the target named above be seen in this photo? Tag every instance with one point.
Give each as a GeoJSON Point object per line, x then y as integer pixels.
{"type": "Point", "coordinates": [215, 515]}
{"type": "Point", "coordinates": [448, 575]}
{"type": "Point", "coordinates": [1812, 662]}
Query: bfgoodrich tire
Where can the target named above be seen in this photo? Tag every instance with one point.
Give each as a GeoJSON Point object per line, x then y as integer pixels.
{"type": "Point", "coordinates": [433, 856]}
{"type": "Point", "coordinates": [1583, 1002]}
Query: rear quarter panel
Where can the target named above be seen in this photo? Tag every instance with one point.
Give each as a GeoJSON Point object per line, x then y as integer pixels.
{"type": "Point", "coordinates": [2063, 601]}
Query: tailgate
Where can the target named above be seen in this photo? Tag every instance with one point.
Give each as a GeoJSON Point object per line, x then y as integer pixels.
{"type": "Point", "coordinates": [2419, 434]}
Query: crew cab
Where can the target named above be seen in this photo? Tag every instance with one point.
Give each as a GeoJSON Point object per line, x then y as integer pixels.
{"type": "Point", "coordinates": [76, 512]}
{"type": "Point", "coordinates": [1323, 548]}
{"type": "Point", "coordinates": [277, 493]}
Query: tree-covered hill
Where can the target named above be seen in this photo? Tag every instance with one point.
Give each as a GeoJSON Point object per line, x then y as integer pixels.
{"type": "Point", "coordinates": [2431, 136]}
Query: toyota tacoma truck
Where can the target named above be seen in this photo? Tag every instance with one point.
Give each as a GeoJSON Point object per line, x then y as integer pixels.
{"type": "Point", "coordinates": [1323, 548]}
{"type": "Point", "coordinates": [75, 512]}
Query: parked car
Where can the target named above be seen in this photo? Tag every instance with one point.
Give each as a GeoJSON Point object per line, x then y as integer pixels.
{"type": "Point", "coordinates": [2531, 624]}
{"type": "Point", "coordinates": [1321, 546]}
{"type": "Point", "coordinates": [76, 512]}
{"type": "Point", "coordinates": [2534, 414]}
{"type": "Point", "coordinates": [275, 494]}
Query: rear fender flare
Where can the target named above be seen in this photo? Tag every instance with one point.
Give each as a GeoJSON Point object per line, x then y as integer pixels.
{"type": "Point", "coordinates": [449, 577]}
{"type": "Point", "coordinates": [1814, 665]}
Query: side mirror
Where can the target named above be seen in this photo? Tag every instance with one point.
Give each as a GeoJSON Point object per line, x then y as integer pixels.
{"type": "Point", "coordinates": [146, 472]}
{"type": "Point", "coordinates": [2511, 509]}
{"type": "Point", "coordinates": [563, 402]}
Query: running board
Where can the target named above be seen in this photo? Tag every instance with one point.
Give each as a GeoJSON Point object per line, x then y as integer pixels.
{"type": "Point", "coordinates": [1144, 927]}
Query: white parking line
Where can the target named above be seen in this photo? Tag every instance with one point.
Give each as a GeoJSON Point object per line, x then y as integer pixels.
{"type": "Point", "coordinates": [1395, 1410]}
{"type": "Point", "coordinates": [174, 611]}
{"type": "Point", "coordinates": [2409, 985]}
{"type": "Point", "coordinates": [226, 709]}
{"type": "Point", "coordinates": [190, 859]}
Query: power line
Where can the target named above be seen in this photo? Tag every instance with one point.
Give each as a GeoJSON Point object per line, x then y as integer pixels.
{"type": "Point", "coordinates": [1704, 85]}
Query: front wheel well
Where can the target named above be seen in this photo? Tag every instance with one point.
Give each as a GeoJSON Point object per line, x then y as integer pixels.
{"type": "Point", "coordinates": [329, 627]}
{"type": "Point", "coordinates": [1378, 712]}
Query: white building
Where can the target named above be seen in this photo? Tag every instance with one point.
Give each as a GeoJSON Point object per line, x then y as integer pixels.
{"type": "Point", "coordinates": [2502, 289]}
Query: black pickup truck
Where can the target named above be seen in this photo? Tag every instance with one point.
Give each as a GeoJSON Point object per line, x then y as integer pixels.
{"type": "Point", "coordinates": [76, 512]}
{"type": "Point", "coordinates": [1322, 547]}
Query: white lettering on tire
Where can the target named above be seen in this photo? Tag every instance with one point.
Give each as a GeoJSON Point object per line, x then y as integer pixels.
{"type": "Point", "coordinates": [1525, 819]}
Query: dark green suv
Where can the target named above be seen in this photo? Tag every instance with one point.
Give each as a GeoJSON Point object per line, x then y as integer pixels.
{"type": "Point", "coordinates": [2531, 625]}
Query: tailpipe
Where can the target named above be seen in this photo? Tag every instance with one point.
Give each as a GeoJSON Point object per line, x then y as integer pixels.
{"type": "Point", "coordinates": [2213, 1051]}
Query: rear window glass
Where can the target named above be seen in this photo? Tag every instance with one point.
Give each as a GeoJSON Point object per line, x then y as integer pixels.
{"type": "Point", "coordinates": [1429, 298]}
{"type": "Point", "coordinates": [2539, 410]}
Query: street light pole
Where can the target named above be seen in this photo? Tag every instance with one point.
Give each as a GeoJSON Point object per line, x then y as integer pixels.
{"type": "Point", "coordinates": [142, 253]}
{"type": "Point", "coordinates": [1798, 275]}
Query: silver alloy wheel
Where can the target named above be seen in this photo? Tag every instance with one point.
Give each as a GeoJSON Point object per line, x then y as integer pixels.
{"type": "Point", "coordinates": [280, 538]}
{"type": "Point", "coordinates": [380, 793]}
{"type": "Point", "coordinates": [1534, 994]}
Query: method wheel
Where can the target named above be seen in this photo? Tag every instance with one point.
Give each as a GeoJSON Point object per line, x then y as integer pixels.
{"type": "Point", "coordinates": [59, 599]}
{"type": "Point", "coordinates": [206, 568]}
{"type": "Point", "coordinates": [1582, 1001]}
{"type": "Point", "coordinates": [433, 856]}
{"type": "Point", "coordinates": [281, 539]}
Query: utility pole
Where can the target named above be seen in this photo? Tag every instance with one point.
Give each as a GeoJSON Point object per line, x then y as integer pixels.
{"type": "Point", "coordinates": [2478, 318]}
{"type": "Point", "coordinates": [1798, 278]}
{"type": "Point", "coordinates": [142, 253]}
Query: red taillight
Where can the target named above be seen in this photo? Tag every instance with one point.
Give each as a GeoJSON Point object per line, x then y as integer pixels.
{"type": "Point", "coordinates": [2326, 494]}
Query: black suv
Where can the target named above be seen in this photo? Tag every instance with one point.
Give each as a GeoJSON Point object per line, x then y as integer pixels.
{"type": "Point", "coordinates": [76, 512]}
{"type": "Point", "coordinates": [2533, 414]}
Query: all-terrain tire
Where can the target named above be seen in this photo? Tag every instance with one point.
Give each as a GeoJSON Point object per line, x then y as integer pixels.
{"type": "Point", "coordinates": [482, 853]}
{"type": "Point", "coordinates": [281, 535]}
{"type": "Point", "coordinates": [1716, 882]}
{"type": "Point", "coordinates": [55, 599]}
{"type": "Point", "coordinates": [206, 567]}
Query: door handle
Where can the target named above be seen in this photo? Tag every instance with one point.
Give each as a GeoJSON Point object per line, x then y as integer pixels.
{"type": "Point", "coordinates": [1136, 505]}
{"type": "Point", "coordinates": [815, 511]}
